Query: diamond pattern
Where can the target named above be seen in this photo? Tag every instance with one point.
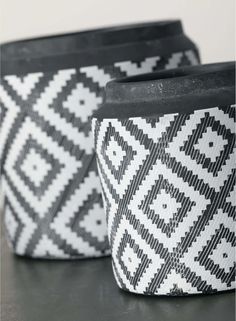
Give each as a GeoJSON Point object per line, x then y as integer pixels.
{"type": "Point", "coordinates": [177, 148]}
{"type": "Point", "coordinates": [171, 223]}
{"type": "Point", "coordinates": [165, 206]}
{"type": "Point", "coordinates": [193, 212]}
{"type": "Point", "coordinates": [147, 264]}
{"type": "Point", "coordinates": [35, 167]}
{"type": "Point", "coordinates": [82, 102]}
{"type": "Point", "coordinates": [48, 166]}
{"type": "Point", "coordinates": [223, 255]}
{"type": "Point", "coordinates": [115, 153]}
{"type": "Point", "coordinates": [70, 166]}
{"type": "Point", "coordinates": [200, 246]}
{"type": "Point", "coordinates": [135, 163]}
{"type": "Point", "coordinates": [214, 142]}
{"type": "Point", "coordinates": [130, 260]}
{"type": "Point", "coordinates": [95, 223]}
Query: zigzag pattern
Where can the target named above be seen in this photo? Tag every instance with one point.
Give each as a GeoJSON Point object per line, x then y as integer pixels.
{"type": "Point", "coordinates": [169, 192]}
{"type": "Point", "coordinates": [52, 191]}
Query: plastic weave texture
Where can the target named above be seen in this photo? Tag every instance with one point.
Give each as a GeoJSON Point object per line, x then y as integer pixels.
{"type": "Point", "coordinates": [53, 203]}
{"type": "Point", "coordinates": [169, 192]}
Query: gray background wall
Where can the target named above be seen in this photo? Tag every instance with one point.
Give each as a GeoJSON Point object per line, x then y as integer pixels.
{"type": "Point", "coordinates": [211, 23]}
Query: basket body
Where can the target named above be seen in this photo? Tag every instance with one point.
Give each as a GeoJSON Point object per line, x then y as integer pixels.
{"type": "Point", "coordinates": [53, 203]}
{"type": "Point", "coordinates": [169, 193]}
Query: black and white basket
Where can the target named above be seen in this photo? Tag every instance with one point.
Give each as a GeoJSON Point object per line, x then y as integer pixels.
{"type": "Point", "coordinates": [165, 152]}
{"type": "Point", "coordinates": [49, 89]}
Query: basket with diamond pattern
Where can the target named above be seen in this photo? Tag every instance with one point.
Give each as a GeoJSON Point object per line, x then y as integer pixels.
{"type": "Point", "coordinates": [165, 152]}
{"type": "Point", "coordinates": [49, 89]}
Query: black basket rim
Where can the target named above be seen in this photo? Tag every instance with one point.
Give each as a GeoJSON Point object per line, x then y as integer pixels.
{"type": "Point", "coordinates": [178, 90]}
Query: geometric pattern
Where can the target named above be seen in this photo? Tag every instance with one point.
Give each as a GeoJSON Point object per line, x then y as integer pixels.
{"type": "Point", "coordinates": [171, 211]}
{"type": "Point", "coordinates": [53, 202]}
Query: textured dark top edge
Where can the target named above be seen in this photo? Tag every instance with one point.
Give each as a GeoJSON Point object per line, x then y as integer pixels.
{"type": "Point", "coordinates": [181, 90]}
{"type": "Point", "coordinates": [100, 56]}
{"type": "Point", "coordinates": [73, 42]}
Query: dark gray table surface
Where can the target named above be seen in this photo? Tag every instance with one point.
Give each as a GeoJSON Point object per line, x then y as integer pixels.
{"type": "Point", "coordinates": [36, 290]}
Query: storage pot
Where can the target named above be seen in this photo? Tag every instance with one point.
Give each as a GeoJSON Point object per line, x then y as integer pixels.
{"type": "Point", "coordinates": [165, 153]}
{"type": "Point", "coordinates": [49, 89]}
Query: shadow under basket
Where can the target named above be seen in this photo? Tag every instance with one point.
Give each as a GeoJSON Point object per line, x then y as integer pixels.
{"type": "Point", "coordinates": [165, 152]}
